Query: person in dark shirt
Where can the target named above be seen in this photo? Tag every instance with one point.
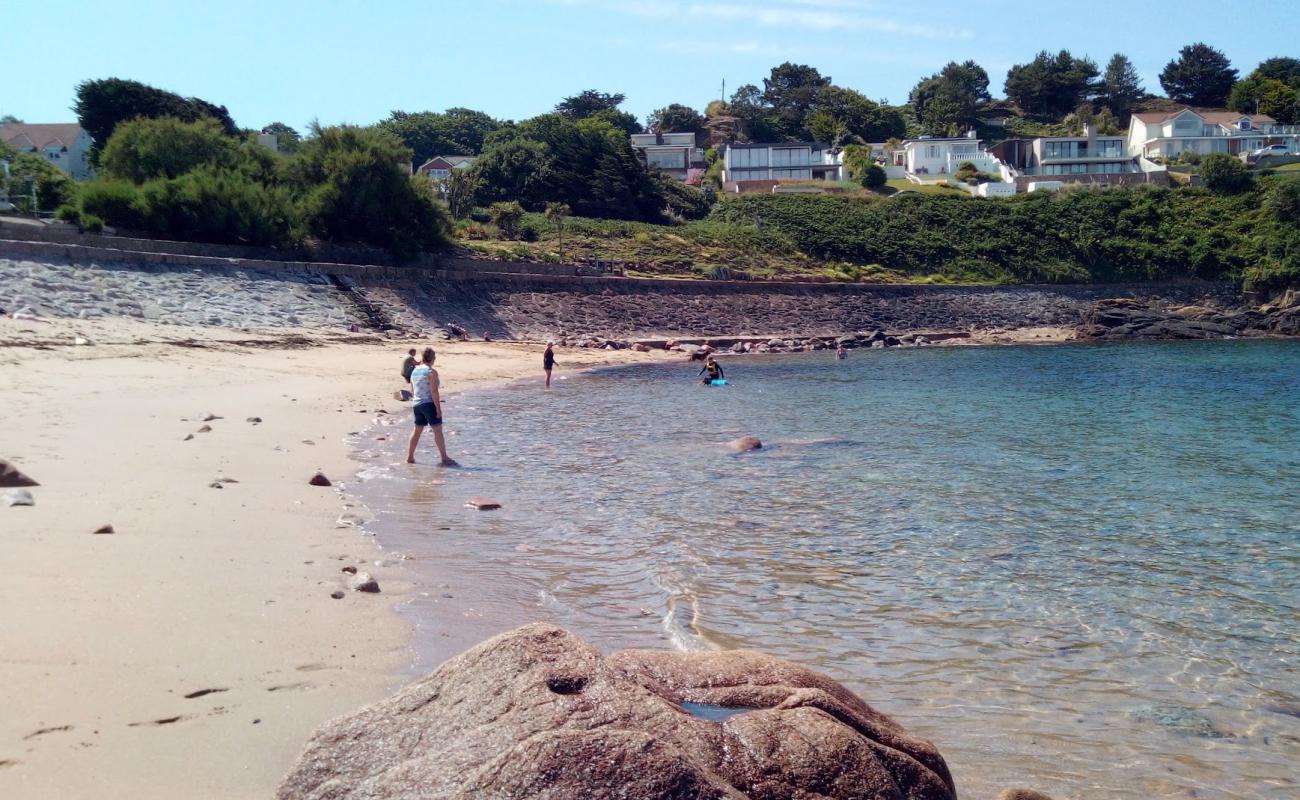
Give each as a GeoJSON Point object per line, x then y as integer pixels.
{"type": "Point", "coordinates": [548, 362]}
{"type": "Point", "coordinates": [714, 370]}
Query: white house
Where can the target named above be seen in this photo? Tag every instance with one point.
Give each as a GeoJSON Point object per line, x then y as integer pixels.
{"type": "Point", "coordinates": [1166, 135]}
{"type": "Point", "coordinates": [782, 161]}
{"type": "Point", "coordinates": [65, 145]}
{"type": "Point", "coordinates": [1091, 158]}
{"type": "Point", "coordinates": [936, 156]}
{"type": "Point", "coordinates": [673, 153]}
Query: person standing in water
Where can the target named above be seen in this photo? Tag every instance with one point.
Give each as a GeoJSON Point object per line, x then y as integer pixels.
{"type": "Point", "coordinates": [548, 362]}
{"type": "Point", "coordinates": [427, 407]}
{"type": "Point", "coordinates": [840, 352]}
{"type": "Point", "coordinates": [714, 369]}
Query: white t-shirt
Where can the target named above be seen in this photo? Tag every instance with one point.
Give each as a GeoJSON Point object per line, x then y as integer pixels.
{"type": "Point", "coordinates": [420, 384]}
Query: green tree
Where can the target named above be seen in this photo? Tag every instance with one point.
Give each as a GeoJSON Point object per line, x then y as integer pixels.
{"type": "Point", "coordinates": [1260, 94]}
{"type": "Point", "coordinates": [352, 188]}
{"type": "Point", "coordinates": [676, 118]}
{"type": "Point", "coordinates": [286, 138]}
{"type": "Point", "coordinates": [456, 131]}
{"type": "Point", "coordinates": [960, 88]}
{"type": "Point", "coordinates": [1224, 174]}
{"type": "Point", "coordinates": [102, 104]}
{"type": "Point", "coordinates": [30, 173]}
{"type": "Point", "coordinates": [165, 147]}
{"type": "Point", "coordinates": [1051, 85]}
{"type": "Point", "coordinates": [856, 116]}
{"type": "Point", "coordinates": [515, 169]}
{"type": "Point", "coordinates": [757, 123]}
{"type": "Point", "coordinates": [507, 217]}
{"type": "Point", "coordinates": [1121, 87]}
{"type": "Point", "coordinates": [1286, 70]}
{"type": "Point", "coordinates": [556, 213]}
{"type": "Point", "coordinates": [9, 119]}
{"type": "Point", "coordinates": [790, 91]}
{"type": "Point", "coordinates": [1199, 76]}
{"type": "Point", "coordinates": [460, 188]}
{"type": "Point", "coordinates": [588, 103]}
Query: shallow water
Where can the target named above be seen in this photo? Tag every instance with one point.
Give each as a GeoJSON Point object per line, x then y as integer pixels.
{"type": "Point", "coordinates": [1072, 567]}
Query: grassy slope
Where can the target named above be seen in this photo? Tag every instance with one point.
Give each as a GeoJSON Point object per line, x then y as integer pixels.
{"type": "Point", "coordinates": [945, 236]}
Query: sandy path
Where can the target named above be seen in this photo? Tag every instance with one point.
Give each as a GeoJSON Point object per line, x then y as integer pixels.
{"type": "Point", "coordinates": [221, 595]}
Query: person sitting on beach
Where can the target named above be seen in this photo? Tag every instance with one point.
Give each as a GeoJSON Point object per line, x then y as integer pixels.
{"type": "Point", "coordinates": [408, 366]}
{"type": "Point", "coordinates": [548, 362]}
{"type": "Point", "coordinates": [427, 407]}
{"type": "Point", "coordinates": [713, 368]}
{"type": "Point", "coordinates": [456, 330]}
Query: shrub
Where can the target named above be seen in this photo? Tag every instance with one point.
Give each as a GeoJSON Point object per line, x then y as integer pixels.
{"type": "Point", "coordinates": [144, 149]}
{"type": "Point", "coordinates": [70, 214]}
{"type": "Point", "coordinates": [92, 224]}
{"type": "Point", "coordinates": [1283, 201]}
{"type": "Point", "coordinates": [507, 217]}
{"type": "Point", "coordinates": [351, 188]}
{"type": "Point", "coordinates": [218, 205]}
{"type": "Point", "coordinates": [117, 202]}
{"type": "Point", "coordinates": [873, 177]}
{"type": "Point", "coordinates": [1192, 157]}
{"type": "Point", "coordinates": [1223, 174]}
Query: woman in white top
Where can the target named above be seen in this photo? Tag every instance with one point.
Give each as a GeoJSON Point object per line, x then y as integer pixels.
{"type": "Point", "coordinates": [427, 406]}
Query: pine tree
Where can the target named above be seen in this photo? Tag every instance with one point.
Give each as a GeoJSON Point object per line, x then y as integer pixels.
{"type": "Point", "coordinates": [1200, 76]}
{"type": "Point", "coordinates": [1121, 87]}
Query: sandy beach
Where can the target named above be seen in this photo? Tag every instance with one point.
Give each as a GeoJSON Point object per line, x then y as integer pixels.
{"type": "Point", "coordinates": [192, 651]}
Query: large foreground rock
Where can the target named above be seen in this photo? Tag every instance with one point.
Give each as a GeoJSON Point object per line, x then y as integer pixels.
{"type": "Point", "coordinates": [538, 713]}
{"type": "Point", "coordinates": [12, 476]}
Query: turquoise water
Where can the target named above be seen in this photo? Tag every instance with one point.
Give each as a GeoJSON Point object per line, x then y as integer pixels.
{"type": "Point", "coordinates": [1073, 568]}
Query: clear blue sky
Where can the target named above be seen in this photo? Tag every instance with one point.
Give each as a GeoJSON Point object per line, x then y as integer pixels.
{"type": "Point", "coordinates": [292, 61]}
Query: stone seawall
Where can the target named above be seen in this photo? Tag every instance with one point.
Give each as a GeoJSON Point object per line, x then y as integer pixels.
{"type": "Point", "coordinates": [190, 289]}
{"type": "Point", "coordinates": [529, 308]}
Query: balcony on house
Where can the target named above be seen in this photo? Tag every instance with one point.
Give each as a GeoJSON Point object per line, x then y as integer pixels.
{"type": "Point", "coordinates": [1083, 150]}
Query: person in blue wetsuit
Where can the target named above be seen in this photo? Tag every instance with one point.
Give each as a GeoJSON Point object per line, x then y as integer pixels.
{"type": "Point", "coordinates": [714, 370]}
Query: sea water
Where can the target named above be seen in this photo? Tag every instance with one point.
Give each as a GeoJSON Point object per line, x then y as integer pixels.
{"type": "Point", "coordinates": [1075, 568]}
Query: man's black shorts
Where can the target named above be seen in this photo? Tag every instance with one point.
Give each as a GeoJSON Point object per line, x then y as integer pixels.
{"type": "Point", "coordinates": [427, 414]}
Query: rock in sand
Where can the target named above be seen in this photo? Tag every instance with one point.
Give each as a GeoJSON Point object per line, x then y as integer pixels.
{"type": "Point", "coordinates": [319, 479]}
{"type": "Point", "coordinates": [19, 497]}
{"type": "Point", "coordinates": [104, 529]}
{"type": "Point", "coordinates": [363, 582]}
{"type": "Point", "coordinates": [537, 712]}
{"type": "Point", "coordinates": [12, 476]}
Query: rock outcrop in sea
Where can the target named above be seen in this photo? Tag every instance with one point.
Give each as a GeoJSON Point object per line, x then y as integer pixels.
{"type": "Point", "coordinates": [539, 713]}
{"type": "Point", "coordinates": [1122, 318]}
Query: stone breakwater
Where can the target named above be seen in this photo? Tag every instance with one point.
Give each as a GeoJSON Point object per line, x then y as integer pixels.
{"type": "Point", "coordinates": [541, 307]}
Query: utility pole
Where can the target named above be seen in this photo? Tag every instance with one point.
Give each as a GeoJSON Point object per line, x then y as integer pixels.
{"type": "Point", "coordinates": [723, 98]}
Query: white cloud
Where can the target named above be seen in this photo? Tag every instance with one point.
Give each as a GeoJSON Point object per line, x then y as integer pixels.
{"type": "Point", "coordinates": [816, 15]}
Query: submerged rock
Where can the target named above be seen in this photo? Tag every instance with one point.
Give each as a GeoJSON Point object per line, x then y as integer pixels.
{"type": "Point", "coordinates": [539, 713]}
{"type": "Point", "coordinates": [745, 444]}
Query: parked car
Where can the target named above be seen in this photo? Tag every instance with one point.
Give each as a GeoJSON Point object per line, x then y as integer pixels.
{"type": "Point", "coordinates": [1271, 150]}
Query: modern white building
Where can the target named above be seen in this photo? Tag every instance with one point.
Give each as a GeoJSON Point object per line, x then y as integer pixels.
{"type": "Point", "coordinates": [675, 154]}
{"type": "Point", "coordinates": [782, 161]}
{"type": "Point", "coordinates": [933, 156]}
{"type": "Point", "coordinates": [1166, 135]}
{"type": "Point", "coordinates": [1091, 158]}
{"type": "Point", "coordinates": [65, 145]}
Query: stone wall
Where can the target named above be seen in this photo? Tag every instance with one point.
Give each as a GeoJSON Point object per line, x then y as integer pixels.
{"type": "Point", "coordinates": [538, 308]}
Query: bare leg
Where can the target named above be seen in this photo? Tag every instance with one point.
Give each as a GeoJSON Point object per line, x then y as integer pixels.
{"type": "Point", "coordinates": [447, 461]}
{"type": "Point", "coordinates": [548, 379]}
{"type": "Point", "coordinates": [415, 440]}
